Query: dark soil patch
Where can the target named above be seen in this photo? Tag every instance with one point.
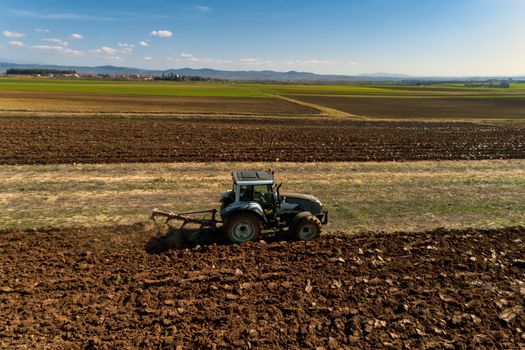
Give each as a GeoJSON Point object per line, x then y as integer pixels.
{"type": "Point", "coordinates": [157, 139]}
{"type": "Point", "coordinates": [424, 108]}
{"type": "Point", "coordinates": [91, 288]}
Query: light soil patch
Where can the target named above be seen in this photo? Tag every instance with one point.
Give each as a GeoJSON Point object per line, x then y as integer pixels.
{"type": "Point", "coordinates": [386, 196]}
{"type": "Point", "coordinates": [37, 102]}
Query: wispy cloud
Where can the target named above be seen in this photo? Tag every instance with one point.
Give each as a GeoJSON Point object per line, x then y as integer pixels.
{"type": "Point", "coordinates": [203, 8]}
{"type": "Point", "coordinates": [146, 58]}
{"type": "Point", "coordinates": [60, 16]}
{"type": "Point", "coordinates": [41, 30]}
{"type": "Point", "coordinates": [56, 41]}
{"type": "Point", "coordinates": [16, 43]}
{"type": "Point", "coordinates": [76, 36]}
{"type": "Point", "coordinates": [59, 49]}
{"type": "Point", "coordinates": [143, 43]}
{"type": "Point", "coordinates": [310, 62]}
{"type": "Point", "coordinates": [11, 34]}
{"type": "Point", "coordinates": [162, 33]}
{"type": "Point", "coordinates": [126, 48]}
{"type": "Point", "coordinates": [256, 61]}
{"type": "Point", "coordinates": [192, 58]}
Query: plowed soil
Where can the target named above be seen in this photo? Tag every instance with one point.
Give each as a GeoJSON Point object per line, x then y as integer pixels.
{"type": "Point", "coordinates": [109, 288]}
{"type": "Point", "coordinates": [162, 139]}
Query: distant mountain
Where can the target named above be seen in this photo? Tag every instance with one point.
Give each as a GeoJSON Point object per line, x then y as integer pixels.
{"type": "Point", "coordinates": [264, 75]}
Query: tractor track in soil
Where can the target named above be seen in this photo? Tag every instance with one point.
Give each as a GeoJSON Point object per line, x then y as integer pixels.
{"type": "Point", "coordinates": [121, 287]}
{"type": "Point", "coordinates": [48, 140]}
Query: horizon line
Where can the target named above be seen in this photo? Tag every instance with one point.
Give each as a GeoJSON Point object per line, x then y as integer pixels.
{"type": "Point", "coordinates": [374, 74]}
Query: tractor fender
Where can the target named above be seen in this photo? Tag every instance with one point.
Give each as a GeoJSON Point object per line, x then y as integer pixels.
{"type": "Point", "coordinates": [249, 207]}
{"type": "Point", "coordinates": [297, 218]}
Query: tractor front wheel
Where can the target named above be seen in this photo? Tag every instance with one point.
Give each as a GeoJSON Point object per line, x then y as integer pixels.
{"type": "Point", "coordinates": [243, 227]}
{"type": "Point", "coordinates": [307, 229]}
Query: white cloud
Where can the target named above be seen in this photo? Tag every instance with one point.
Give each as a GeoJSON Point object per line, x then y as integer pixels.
{"type": "Point", "coordinates": [59, 49]}
{"type": "Point", "coordinates": [143, 43]}
{"type": "Point", "coordinates": [162, 33]}
{"type": "Point", "coordinates": [56, 41]}
{"type": "Point", "coordinates": [126, 45]}
{"type": "Point", "coordinates": [10, 34]}
{"type": "Point", "coordinates": [172, 59]}
{"type": "Point", "coordinates": [16, 43]}
{"type": "Point", "coordinates": [147, 58]}
{"type": "Point", "coordinates": [76, 36]}
{"type": "Point", "coordinates": [40, 30]}
{"type": "Point", "coordinates": [352, 63]}
{"type": "Point", "coordinates": [107, 50]}
{"type": "Point", "coordinates": [203, 8]}
{"type": "Point", "coordinates": [186, 55]}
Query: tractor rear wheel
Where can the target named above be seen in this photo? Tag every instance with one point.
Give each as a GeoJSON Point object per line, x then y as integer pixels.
{"type": "Point", "coordinates": [243, 227]}
{"type": "Point", "coordinates": [307, 229]}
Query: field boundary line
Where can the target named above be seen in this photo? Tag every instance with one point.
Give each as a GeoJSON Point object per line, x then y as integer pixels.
{"type": "Point", "coordinates": [324, 111]}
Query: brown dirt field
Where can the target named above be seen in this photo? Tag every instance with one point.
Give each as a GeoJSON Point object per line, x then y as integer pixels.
{"type": "Point", "coordinates": [115, 140]}
{"type": "Point", "coordinates": [120, 287]}
{"type": "Point", "coordinates": [425, 108]}
{"type": "Point", "coordinates": [107, 103]}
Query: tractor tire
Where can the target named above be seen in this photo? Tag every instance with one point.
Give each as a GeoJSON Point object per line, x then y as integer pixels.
{"type": "Point", "coordinates": [243, 227]}
{"type": "Point", "coordinates": [307, 229]}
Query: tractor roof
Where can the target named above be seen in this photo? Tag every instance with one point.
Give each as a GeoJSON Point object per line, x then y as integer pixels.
{"type": "Point", "coordinates": [244, 177]}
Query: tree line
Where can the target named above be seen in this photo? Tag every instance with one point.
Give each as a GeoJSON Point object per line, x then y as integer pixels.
{"type": "Point", "coordinates": [37, 71]}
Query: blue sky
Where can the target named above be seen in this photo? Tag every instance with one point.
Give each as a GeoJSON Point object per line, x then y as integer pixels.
{"type": "Point", "coordinates": [420, 37]}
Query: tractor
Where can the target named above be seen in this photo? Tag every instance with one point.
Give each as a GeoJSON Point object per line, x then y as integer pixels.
{"type": "Point", "coordinates": [255, 204]}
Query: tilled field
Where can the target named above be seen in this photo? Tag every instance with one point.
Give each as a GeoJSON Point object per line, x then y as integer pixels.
{"type": "Point", "coordinates": [162, 139]}
{"type": "Point", "coordinates": [486, 107]}
{"type": "Point", "coordinates": [118, 287]}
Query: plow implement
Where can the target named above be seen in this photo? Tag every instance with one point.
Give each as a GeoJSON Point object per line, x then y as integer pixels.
{"type": "Point", "coordinates": [188, 218]}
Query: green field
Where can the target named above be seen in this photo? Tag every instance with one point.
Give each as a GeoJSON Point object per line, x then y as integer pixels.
{"type": "Point", "coordinates": [163, 88]}
{"type": "Point", "coordinates": [131, 87]}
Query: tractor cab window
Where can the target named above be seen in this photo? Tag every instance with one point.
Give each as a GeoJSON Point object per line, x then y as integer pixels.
{"type": "Point", "coordinates": [259, 193]}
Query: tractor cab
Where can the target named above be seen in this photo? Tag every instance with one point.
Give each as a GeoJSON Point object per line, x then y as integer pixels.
{"type": "Point", "coordinates": [253, 187]}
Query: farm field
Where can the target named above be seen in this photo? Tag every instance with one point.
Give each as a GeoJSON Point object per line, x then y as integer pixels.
{"type": "Point", "coordinates": [361, 197]}
{"type": "Point", "coordinates": [118, 287]}
{"type": "Point", "coordinates": [28, 140]}
{"type": "Point", "coordinates": [425, 103]}
{"type": "Point", "coordinates": [425, 188]}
